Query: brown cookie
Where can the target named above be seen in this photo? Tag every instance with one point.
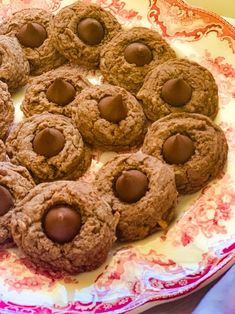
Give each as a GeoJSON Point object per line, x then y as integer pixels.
{"type": "Point", "coordinates": [3, 155]}
{"type": "Point", "coordinates": [32, 29]}
{"type": "Point", "coordinates": [6, 110]}
{"type": "Point", "coordinates": [81, 30]}
{"type": "Point", "coordinates": [109, 117]}
{"type": "Point", "coordinates": [131, 54]}
{"type": "Point", "coordinates": [179, 85]}
{"type": "Point", "coordinates": [54, 92]}
{"type": "Point", "coordinates": [192, 144]}
{"type": "Point", "coordinates": [145, 200]}
{"type": "Point", "coordinates": [14, 68]}
{"type": "Point", "coordinates": [15, 184]}
{"type": "Point", "coordinates": [49, 146]}
{"type": "Point", "coordinates": [84, 212]}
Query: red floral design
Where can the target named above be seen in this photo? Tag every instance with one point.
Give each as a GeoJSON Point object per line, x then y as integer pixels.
{"type": "Point", "coordinates": [207, 215]}
{"type": "Point", "coordinates": [177, 19]}
{"type": "Point", "coordinates": [137, 274]}
{"type": "Point", "coordinates": [11, 6]}
{"type": "Point", "coordinates": [118, 8]}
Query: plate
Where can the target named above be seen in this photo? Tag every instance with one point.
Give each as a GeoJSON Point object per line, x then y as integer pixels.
{"type": "Point", "coordinates": [200, 244]}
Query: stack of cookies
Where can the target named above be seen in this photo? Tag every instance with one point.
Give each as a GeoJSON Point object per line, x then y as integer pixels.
{"type": "Point", "coordinates": [154, 109]}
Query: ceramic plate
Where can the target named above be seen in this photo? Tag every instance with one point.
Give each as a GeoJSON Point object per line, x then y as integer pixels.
{"type": "Point", "coordinates": [200, 243]}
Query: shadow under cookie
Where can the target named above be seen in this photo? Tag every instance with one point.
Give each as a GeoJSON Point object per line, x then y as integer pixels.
{"type": "Point", "coordinates": [50, 147]}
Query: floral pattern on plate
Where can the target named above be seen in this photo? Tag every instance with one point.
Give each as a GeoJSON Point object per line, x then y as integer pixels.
{"type": "Point", "coordinates": [199, 245]}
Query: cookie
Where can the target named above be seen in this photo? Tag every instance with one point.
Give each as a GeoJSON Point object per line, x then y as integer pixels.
{"type": "Point", "coordinates": [131, 54]}
{"type": "Point", "coordinates": [3, 155]}
{"type": "Point", "coordinates": [80, 31]}
{"type": "Point", "coordinates": [142, 190]}
{"type": "Point", "coordinates": [32, 29]}
{"type": "Point", "coordinates": [179, 85]}
{"type": "Point", "coordinates": [14, 70]}
{"type": "Point", "coordinates": [15, 184]}
{"type": "Point", "coordinates": [66, 226]}
{"type": "Point", "coordinates": [194, 147]}
{"type": "Point", "coordinates": [6, 110]}
{"type": "Point", "coordinates": [49, 146]}
{"type": "Point", "coordinates": [54, 92]}
{"type": "Point", "coordinates": [109, 117]}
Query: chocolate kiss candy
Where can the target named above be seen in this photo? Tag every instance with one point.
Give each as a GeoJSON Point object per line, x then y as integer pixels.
{"type": "Point", "coordinates": [90, 31]}
{"type": "Point", "coordinates": [32, 35]}
{"type": "Point", "coordinates": [176, 92]}
{"type": "Point", "coordinates": [112, 108]}
{"type": "Point", "coordinates": [131, 186]}
{"type": "Point", "coordinates": [138, 53]}
{"type": "Point", "coordinates": [62, 223]}
{"type": "Point", "coordinates": [61, 92]}
{"type": "Point", "coordinates": [48, 142]}
{"type": "Point", "coordinates": [6, 200]}
{"type": "Point", "coordinates": [178, 149]}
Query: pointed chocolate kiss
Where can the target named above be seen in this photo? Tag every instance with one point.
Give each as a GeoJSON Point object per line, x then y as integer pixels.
{"type": "Point", "coordinates": [178, 149]}
{"type": "Point", "coordinates": [48, 142]}
{"type": "Point", "coordinates": [32, 35]}
{"type": "Point", "coordinates": [176, 92]}
{"type": "Point", "coordinates": [62, 223]}
{"type": "Point", "coordinates": [131, 186]}
{"type": "Point", "coordinates": [112, 108]}
{"type": "Point", "coordinates": [138, 53]}
{"type": "Point", "coordinates": [61, 92]}
{"type": "Point", "coordinates": [90, 31]}
{"type": "Point", "coordinates": [6, 200]}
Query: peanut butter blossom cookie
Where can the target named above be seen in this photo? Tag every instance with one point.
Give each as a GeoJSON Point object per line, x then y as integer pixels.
{"type": "Point", "coordinates": [15, 183]}
{"type": "Point", "coordinates": [65, 225]}
{"type": "Point", "coordinates": [32, 29]}
{"type": "Point", "coordinates": [50, 147]}
{"type": "Point", "coordinates": [80, 31]}
{"type": "Point", "coordinates": [54, 92]}
{"type": "Point", "coordinates": [194, 147]}
{"type": "Point", "coordinates": [179, 85]}
{"type": "Point", "coordinates": [6, 110]}
{"type": "Point", "coordinates": [142, 190]}
{"type": "Point", "coordinates": [131, 54]}
{"type": "Point", "coordinates": [14, 67]}
{"type": "Point", "coordinates": [109, 117]}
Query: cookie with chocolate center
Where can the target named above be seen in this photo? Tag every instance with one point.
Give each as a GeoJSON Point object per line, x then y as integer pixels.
{"type": "Point", "coordinates": [109, 117]}
{"type": "Point", "coordinates": [81, 30]}
{"type": "Point", "coordinates": [142, 190]}
{"type": "Point", "coordinates": [131, 54]}
{"type": "Point", "coordinates": [179, 85]}
{"type": "Point", "coordinates": [55, 92]}
{"type": "Point", "coordinates": [193, 146]}
{"type": "Point", "coordinates": [65, 225]}
{"type": "Point", "coordinates": [32, 28]}
{"type": "Point", "coordinates": [50, 147]}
